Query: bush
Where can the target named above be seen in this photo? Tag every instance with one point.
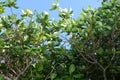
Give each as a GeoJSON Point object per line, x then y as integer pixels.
{"type": "Point", "coordinates": [33, 46]}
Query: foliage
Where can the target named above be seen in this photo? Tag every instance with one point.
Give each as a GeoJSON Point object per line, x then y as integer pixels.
{"type": "Point", "coordinates": [32, 46]}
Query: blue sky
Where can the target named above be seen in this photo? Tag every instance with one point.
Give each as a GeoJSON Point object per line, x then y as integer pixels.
{"type": "Point", "coordinates": [45, 5]}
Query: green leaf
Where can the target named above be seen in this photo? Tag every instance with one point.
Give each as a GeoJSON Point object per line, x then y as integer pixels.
{"type": "Point", "coordinates": [117, 52]}
{"type": "Point", "coordinates": [16, 7]}
{"type": "Point", "coordinates": [40, 68]}
{"type": "Point", "coordinates": [100, 50]}
{"type": "Point", "coordinates": [56, 34]}
{"type": "Point", "coordinates": [89, 7]}
{"type": "Point", "coordinates": [55, 6]}
{"type": "Point", "coordinates": [11, 3]}
{"type": "Point", "coordinates": [52, 76]}
{"type": "Point", "coordinates": [1, 78]}
{"type": "Point", "coordinates": [34, 65]}
{"type": "Point", "coordinates": [27, 12]}
{"type": "Point", "coordinates": [1, 42]}
{"type": "Point", "coordinates": [118, 1]}
{"type": "Point", "coordinates": [89, 28]}
{"type": "Point", "coordinates": [2, 10]}
{"type": "Point", "coordinates": [78, 76]}
{"type": "Point", "coordinates": [71, 68]}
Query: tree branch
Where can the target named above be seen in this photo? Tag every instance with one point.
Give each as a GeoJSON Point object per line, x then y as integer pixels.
{"type": "Point", "coordinates": [22, 72]}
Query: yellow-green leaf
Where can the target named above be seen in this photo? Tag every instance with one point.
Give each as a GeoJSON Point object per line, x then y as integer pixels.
{"type": "Point", "coordinates": [2, 10]}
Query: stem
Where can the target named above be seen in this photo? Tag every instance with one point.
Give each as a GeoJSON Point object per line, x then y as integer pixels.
{"type": "Point", "coordinates": [104, 74]}
{"type": "Point", "coordinates": [11, 10]}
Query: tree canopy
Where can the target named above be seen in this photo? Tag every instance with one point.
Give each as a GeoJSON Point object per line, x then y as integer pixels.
{"type": "Point", "coordinates": [32, 45]}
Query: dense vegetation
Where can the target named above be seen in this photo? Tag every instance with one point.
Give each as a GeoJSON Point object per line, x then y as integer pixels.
{"type": "Point", "coordinates": [33, 45]}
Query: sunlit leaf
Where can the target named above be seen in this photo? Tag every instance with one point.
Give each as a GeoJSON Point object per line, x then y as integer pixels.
{"type": "Point", "coordinates": [71, 68]}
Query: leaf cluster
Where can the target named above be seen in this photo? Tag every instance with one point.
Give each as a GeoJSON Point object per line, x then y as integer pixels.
{"type": "Point", "coordinates": [35, 47]}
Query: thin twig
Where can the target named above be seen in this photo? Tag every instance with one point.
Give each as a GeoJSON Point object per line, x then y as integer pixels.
{"type": "Point", "coordinates": [53, 67]}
